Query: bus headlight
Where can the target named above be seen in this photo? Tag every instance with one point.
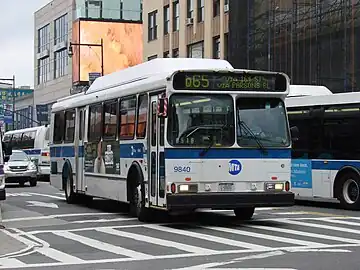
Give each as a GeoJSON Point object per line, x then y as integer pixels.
{"type": "Point", "coordinates": [193, 188]}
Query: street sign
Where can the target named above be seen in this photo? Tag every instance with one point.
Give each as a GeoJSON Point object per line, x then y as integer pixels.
{"type": "Point", "coordinates": [7, 94]}
{"type": "Point", "coordinates": [93, 76]}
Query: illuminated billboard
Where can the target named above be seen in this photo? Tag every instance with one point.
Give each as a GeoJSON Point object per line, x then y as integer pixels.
{"type": "Point", "coordinates": [122, 47]}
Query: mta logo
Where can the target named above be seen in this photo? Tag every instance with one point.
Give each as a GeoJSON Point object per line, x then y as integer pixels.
{"type": "Point", "coordinates": [234, 167]}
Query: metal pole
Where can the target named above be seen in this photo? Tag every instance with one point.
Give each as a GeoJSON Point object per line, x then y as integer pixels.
{"type": "Point", "coordinates": [13, 91]}
{"type": "Point", "coordinates": [102, 58]}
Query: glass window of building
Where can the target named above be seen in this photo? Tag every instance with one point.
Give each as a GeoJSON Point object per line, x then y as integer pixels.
{"type": "Point", "coordinates": [61, 29]}
{"type": "Point", "coordinates": [196, 50]}
{"type": "Point", "coordinates": [190, 9]}
{"type": "Point", "coordinates": [216, 48]}
{"type": "Point", "coordinates": [152, 26]}
{"type": "Point", "coordinates": [166, 19]}
{"type": "Point", "coordinates": [131, 9]}
{"type": "Point", "coordinates": [176, 16]}
{"type": "Point", "coordinates": [61, 63]}
{"type": "Point", "coordinates": [175, 53]}
{"type": "Point", "coordinates": [216, 8]}
{"type": "Point", "coordinates": [43, 70]}
{"type": "Point", "coordinates": [44, 38]}
{"type": "Point", "coordinates": [200, 10]}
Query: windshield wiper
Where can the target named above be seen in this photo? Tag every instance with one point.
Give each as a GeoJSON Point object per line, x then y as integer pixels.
{"type": "Point", "coordinates": [252, 135]}
{"type": "Point", "coordinates": [211, 144]}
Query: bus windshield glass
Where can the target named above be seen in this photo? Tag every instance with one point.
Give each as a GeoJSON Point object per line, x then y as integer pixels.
{"type": "Point", "coordinates": [201, 120]}
{"type": "Point", "coordinates": [261, 120]}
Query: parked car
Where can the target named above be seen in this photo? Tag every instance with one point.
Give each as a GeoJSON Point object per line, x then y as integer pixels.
{"type": "Point", "coordinates": [20, 169]}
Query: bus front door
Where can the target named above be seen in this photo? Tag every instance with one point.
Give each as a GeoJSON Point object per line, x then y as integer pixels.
{"type": "Point", "coordinates": [79, 152]}
{"type": "Point", "coordinates": [157, 157]}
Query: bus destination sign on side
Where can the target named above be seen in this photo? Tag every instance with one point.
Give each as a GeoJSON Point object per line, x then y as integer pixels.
{"type": "Point", "coordinates": [213, 81]}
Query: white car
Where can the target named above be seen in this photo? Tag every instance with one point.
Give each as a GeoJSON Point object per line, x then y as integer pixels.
{"type": "Point", "coordinates": [20, 169]}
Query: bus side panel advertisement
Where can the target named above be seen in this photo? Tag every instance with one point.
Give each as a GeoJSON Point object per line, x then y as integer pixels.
{"type": "Point", "coordinates": [301, 173]}
{"type": "Point", "coordinates": [102, 157]}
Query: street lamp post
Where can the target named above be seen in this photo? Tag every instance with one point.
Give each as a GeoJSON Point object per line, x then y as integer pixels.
{"type": "Point", "coordinates": [13, 97]}
{"type": "Point", "coordinates": [101, 45]}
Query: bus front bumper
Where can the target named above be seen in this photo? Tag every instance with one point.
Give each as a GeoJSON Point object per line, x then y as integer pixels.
{"type": "Point", "coordinates": [229, 200]}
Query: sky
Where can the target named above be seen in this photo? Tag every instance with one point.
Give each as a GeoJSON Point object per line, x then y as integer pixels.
{"type": "Point", "coordinates": [17, 39]}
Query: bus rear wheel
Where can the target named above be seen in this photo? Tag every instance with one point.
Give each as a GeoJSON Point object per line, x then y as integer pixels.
{"type": "Point", "coordinates": [244, 213]}
{"type": "Point", "coordinates": [349, 194]}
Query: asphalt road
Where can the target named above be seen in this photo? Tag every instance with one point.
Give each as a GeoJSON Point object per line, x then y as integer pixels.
{"type": "Point", "coordinates": [102, 236]}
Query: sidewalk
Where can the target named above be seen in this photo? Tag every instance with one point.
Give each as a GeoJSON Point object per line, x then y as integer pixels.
{"type": "Point", "coordinates": [8, 245]}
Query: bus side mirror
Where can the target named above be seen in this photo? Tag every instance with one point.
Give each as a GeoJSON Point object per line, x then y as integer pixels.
{"type": "Point", "coordinates": [6, 158]}
{"type": "Point", "coordinates": [162, 107]}
{"type": "Point", "coordinates": [294, 133]}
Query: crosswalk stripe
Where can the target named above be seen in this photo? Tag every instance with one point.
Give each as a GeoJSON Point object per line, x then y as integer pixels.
{"type": "Point", "coordinates": [350, 223]}
{"type": "Point", "coordinates": [11, 262]}
{"type": "Point", "coordinates": [269, 237]}
{"type": "Point", "coordinates": [206, 237]}
{"type": "Point", "coordinates": [321, 226]}
{"type": "Point", "coordinates": [307, 234]}
{"type": "Point", "coordinates": [157, 241]}
{"type": "Point", "coordinates": [58, 255]}
{"type": "Point", "coordinates": [103, 246]}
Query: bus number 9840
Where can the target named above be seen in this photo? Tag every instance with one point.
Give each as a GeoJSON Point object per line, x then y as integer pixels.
{"type": "Point", "coordinates": [181, 169]}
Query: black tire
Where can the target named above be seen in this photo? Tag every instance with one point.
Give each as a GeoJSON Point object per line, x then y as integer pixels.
{"type": "Point", "coordinates": [70, 195]}
{"type": "Point", "coordinates": [137, 203]}
{"type": "Point", "coordinates": [349, 193]}
{"type": "Point", "coordinates": [244, 213]}
{"type": "Point", "coordinates": [33, 182]}
{"type": "Point", "coordinates": [21, 183]}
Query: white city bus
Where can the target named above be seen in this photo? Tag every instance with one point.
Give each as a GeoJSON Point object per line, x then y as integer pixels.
{"type": "Point", "coordinates": [326, 156]}
{"type": "Point", "coordinates": [34, 142]}
{"type": "Point", "coordinates": [176, 134]}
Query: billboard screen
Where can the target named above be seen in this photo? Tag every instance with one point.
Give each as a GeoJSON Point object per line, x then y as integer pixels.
{"type": "Point", "coordinates": [122, 47]}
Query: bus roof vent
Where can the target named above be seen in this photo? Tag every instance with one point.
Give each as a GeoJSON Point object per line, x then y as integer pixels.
{"type": "Point", "coordinates": [154, 67]}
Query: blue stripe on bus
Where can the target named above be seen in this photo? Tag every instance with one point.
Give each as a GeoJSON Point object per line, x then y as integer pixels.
{"type": "Point", "coordinates": [65, 151]}
{"type": "Point", "coordinates": [227, 153]}
{"type": "Point", "coordinates": [333, 164]}
{"type": "Point", "coordinates": [32, 151]}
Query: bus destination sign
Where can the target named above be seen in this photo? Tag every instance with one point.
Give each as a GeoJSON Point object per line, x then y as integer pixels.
{"type": "Point", "coordinates": [215, 81]}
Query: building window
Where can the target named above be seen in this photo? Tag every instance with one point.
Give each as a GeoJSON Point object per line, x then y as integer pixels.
{"type": "Point", "coordinates": [216, 8]}
{"type": "Point", "coordinates": [94, 9]}
{"type": "Point", "coordinates": [152, 27]}
{"type": "Point", "coordinates": [151, 57]}
{"type": "Point", "coordinates": [44, 38]}
{"type": "Point", "coordinates": [61, 63]}
{"type": "Point", "coordinates": [175, 53]}
{"type": "Point", "coordinates": [166, 20]}
{"type": "Point", "coordinates": [200, 10]}
{"type": "Point", "coordinates": [190, 9]}
{"type": "Point", "coordinates": [226, 44]}
{"type": "Point", "coordinates": [61, 29]}
{"type": "Point", "coordinates": [196, 50]}
{"type": "Point", "coordinates": [176, 16]}
{"type": "Point", "coordinates": [166, 54]}
{"type": "Point", "coordinates": [216, 48]}
{"type": "Point", "coordinates": [43, 70]}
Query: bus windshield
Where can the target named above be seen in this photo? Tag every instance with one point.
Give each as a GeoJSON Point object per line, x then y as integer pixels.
{"type": "Point", "coordinates": [261, 120]}
{"type": "Point", "coordinates": [201, 120]}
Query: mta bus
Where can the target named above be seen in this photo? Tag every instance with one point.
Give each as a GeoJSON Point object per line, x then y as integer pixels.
{"type": "Point", "coordinates": [34, 142]}
{"type": "Point", "coordinates": [176, 135]}
{"type": "Point", "coordinates": [326, 154]}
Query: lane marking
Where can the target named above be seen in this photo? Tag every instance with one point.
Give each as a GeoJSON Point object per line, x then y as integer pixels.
{"type": "Point", "coordinates": [163, 257]}
{"type": "Point", "coordinates": [20, 194]}
{"type": "Point", "coordinates": [219, 264]}
{"type": "Point", "coordinates": [206, 237]}
{"type": "Point", "coordinates": [307, 234]}
{"type": "Point", "coordinates": [11, 263]}
{"type": "Point", "coordinates": [47, 195]}
{"type": "Point", "coordinates": [59, 255]}
{"type": "Point", "coordinates": [321, 226]}
{"type": "Point", "coordinates": [157, 241]}
{"type": "Point", "coordinates": [104, 246]}
{"type": "Point", "coordinates": [102, 220]}
{"type": "Point", "coordinates": [58, 216]}
{"type": "Point", "coordinates": [268, 237]}
{"type": "Point", "coordinates": [322, 250]}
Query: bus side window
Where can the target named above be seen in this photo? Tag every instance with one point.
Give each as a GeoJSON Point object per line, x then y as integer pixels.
{"type": "Point", "coordinates": [127, 118]}
{"type": "Point", "coordinates": [110, 122]}
{"type": "Point", "coordinates": [69, 126]}
{"type": "Point", "coordinates": [142, 114]}
{"type": "Point", "coordinates": [95, 123]}
{"type": "Point", "coordinates": [59, 125]}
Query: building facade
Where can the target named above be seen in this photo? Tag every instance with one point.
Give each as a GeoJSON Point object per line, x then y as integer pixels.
{"type": "Point", "coordinates": [185, 28]}
{"type": "Point", "coordinates": [54, 67]}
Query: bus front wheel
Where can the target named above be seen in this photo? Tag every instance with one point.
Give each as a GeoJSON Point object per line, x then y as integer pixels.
{"type": "Point", "coordinates": [137, 204]}
{"type": "Point", "coordinates": [244, 213]}
{"type": "Point", "coordinates": [70, 195]}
